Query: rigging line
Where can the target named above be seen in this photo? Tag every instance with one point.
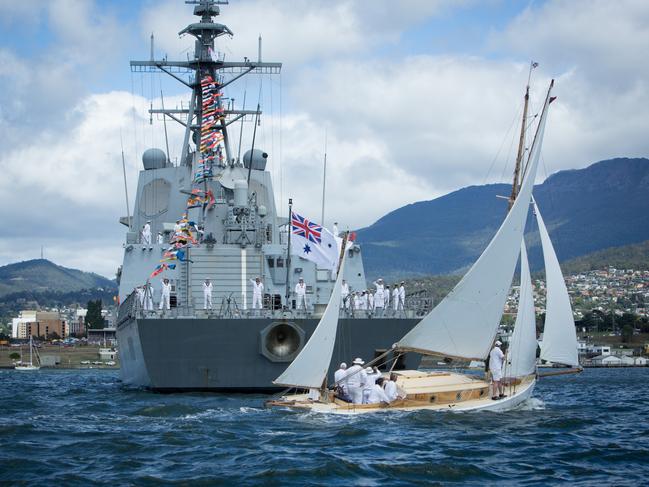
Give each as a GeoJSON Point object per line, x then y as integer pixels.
{"type": "Point", "coordinates": [502, 143]}
{"type": "Point", "coordinates": [281, 174]}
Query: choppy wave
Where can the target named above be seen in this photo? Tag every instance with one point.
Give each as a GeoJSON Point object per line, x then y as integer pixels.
{"type": "Point", "coordinates": [83, 427]}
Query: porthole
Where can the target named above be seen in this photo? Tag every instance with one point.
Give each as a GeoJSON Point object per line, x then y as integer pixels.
{"type": "Point", "coordinates": [458, 396]}
{"type": "Point", "coordinates": [432, 398]}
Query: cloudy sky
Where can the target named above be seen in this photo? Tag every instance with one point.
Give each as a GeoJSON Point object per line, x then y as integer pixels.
{"type": "Point", "coordinates": [416, 98]}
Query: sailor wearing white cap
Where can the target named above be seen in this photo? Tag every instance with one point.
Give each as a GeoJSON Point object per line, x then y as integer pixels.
{"type": "Point", "coordinates": [372, 375]}
{"type": "Point", "coordinates": [300, 293]}
{"type": "Point", "coordinates": [402, 295]}
{"type": "Point", "coordinates": [356, 380]}
{"type": "Point", "coordinates": [339, 378]}
{"type": "Point", "coordinates": [379, 297]}
{"type": "Point", "coordinates": [165, 294]}
{"type": "Point", "coordinates": [207, 294]}
{"type": "Point", "coordinates": [161, 239]}
{"type": "Point", "coordinates": [496, 359]}
{"type": "Point", "coordinates": [344, 295]}
{"type": "Point", "coordinates": [257, 292]}
{"type": "Point", "coordinates": [146, 234]}
{"type": "Point", "coordinates": [395, 297]}
{"type": "Point", "coordinates": [386, 296]}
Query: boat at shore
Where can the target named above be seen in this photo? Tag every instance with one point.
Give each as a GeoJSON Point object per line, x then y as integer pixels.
{"type": "Point", "coordinates": [463, 325]}
{"type": "Point", "coordinates": [223, 196]}
{"type": "Point", "coordinates": [32, 352]}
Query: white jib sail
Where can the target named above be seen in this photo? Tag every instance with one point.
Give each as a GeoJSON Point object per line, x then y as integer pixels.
{"type": "Point", "coordinates": [521, 356]}
{"type": "Point", "coordinates": [465, 322]}
{"type": "Point", "coordinates": [559, 343]}
{"type": "Point", "coordinates": [310, 367]}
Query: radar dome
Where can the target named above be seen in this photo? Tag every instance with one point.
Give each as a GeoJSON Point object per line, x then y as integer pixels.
{"type": "Point", "coordinates": [259, 158]}
{"type": "Point", "coordinates": [154, 159]}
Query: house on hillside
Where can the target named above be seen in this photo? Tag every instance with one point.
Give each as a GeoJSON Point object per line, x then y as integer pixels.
{"type": "Point", "coordinates": [606, 360]}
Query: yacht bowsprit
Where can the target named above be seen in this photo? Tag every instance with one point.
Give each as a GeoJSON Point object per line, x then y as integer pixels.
{"type": "Point", "coordinates": [215, 218]}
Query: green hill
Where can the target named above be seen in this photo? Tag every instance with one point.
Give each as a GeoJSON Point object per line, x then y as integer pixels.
{"type": "Point", "coordinates": [634, 256]}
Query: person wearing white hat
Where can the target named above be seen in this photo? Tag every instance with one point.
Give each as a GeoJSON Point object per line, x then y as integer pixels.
{"type": "Point", "coordinates": [340, 378]}
{"type": "Point", "coordinates": [402, 296]}
{"type": "Point", "coordinates": [165, 294]}
{"type": "Point", "coordinates": [257, 293]}
{"type": "Point", "coordinates": [377, 394]}
{"type": "Point", "coordinates": [496, 359]}
{"type": "Point", "coordinates": [379, 297]}
{"type": "Point", "coordinates": [146, 235]}
{"type": "Point", "coordinates": [344, 295]}
{"type": "Point", "coordinates": [372, 374]}
{"type": "Point", "coordinates": [356, 380]}
{"type": "Point", "coordinates": [300, 293]}
{"type": "Point", "coordinates": [207, 294]}
{"type": "Point", "coordinates": [161, 239]}
{"type": "Point", "coordinates": [395, 298]}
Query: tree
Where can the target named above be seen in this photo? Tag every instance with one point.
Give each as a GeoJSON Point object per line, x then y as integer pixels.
{"type": "Point", "coordinates": [627, 333]}
{"type": "Point", "coordinates": [14, 356]}
{"type": "Point", "coordinates": [94, 319]}
{"type": "Point", "coordinates": [54, 336]}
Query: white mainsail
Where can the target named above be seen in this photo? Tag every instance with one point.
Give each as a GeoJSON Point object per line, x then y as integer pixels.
{"type": "Point", "coordinates": [465, 322]}
{"type": "Point", "coordinates": [559, 343]}
{"type": "Point", "coordinates": [521, 356]}
{"type": "Point", "coordinates": [310, 367]}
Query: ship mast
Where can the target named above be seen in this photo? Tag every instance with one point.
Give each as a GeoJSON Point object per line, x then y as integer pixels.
{"type": "Point", "coordinates": [205, 62]}
{"type": "Point", "coordinates": [521, 142]}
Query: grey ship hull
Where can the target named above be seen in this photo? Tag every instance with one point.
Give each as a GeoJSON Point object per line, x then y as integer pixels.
{"type": "Point", "coordinates": [232, 355]}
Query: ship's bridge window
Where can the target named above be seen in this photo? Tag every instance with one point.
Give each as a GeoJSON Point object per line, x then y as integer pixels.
{"type": "Point", "coordinates": [280, 262]}
{"type": "Point", "coordinates": [271, 262]}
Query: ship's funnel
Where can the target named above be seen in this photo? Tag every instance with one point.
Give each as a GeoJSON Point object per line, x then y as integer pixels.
{"type": "Point", "coordinates": [154, 159]}
{"type": "Point", "coordinates": [259, 158]}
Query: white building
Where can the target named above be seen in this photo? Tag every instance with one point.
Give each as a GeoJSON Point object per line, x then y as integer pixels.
{"type": "Point", "coordinates": [606, 360]}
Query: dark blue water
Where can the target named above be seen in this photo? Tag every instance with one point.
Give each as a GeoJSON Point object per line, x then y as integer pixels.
{"type": "Point", "coordinates": [84, 427]}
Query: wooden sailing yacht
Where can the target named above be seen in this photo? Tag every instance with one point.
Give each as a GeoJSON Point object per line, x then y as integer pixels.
{"type": "Point", "coordinates": [463, 325]}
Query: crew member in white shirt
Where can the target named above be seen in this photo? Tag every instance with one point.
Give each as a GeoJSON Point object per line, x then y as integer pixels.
{"type": "Point", "coordinates": [395, 297]}
{"type": "Point", "coordinates": [377, 394]}
{"type": "Point", "coordinates": [300, 294]}
{"type": "Point", "coordinates": [146, 235]}
{"type": "Point", "coordinates": [339, 378]}
{"type": "Point", "coordinates": [160, 239]}
{"type": "Point", "coordinates": [257, 293]}
{"type": "Point", "coordinates": [356, 380]}
{"type": "Point", "coordinates": [344, 295]}
{"type": "Point", "coordinates": [402, 296]}
{"type": "Point", "coordinates": [207, 294]}
{"type": "Point", "coordinates": [165, 296]}
{"type": "Point", "coordinates": [379, 297]}
{"type": "Point", "coordinates": [390, 387]}
{"type": "Point", "coordinates": [386, 297]}
{"type": "Point", "coordinates": [372, 375]}
{"type": "Point", "coordinates": [496, 359]}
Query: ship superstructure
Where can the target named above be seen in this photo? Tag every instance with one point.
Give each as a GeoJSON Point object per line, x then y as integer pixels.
{"type": "Point", "coordinates": [237, 236]}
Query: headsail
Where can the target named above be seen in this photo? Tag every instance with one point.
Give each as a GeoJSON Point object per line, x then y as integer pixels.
{"type": "Point", "coordinates": [310, 367]}
{"type": "Point", "coordinates": [465, 322]}
{"type": "Point", "coordinates": [521, 355]}
{"type": "Point", "coordinates": [559, 336]}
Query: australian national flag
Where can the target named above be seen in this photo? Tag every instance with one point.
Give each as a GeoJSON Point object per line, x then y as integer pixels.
{"type": "Point", "coordinates": [311, 241]}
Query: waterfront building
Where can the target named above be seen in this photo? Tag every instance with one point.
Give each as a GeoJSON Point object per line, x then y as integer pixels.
{"type": "Point", "coordinates": [39, 324]}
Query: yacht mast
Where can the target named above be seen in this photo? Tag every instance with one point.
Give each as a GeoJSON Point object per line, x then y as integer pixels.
{"type": "Point", "coordinates": [521, 142]}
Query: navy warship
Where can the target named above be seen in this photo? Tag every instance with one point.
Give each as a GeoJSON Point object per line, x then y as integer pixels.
{"type": "Point", "coordinates": [235, 236]}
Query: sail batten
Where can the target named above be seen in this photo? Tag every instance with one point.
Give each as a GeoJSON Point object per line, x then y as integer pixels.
{"type": "Point", "coordinates": [559, 343]}
{"type": "Point", "coordinates": [522, 345]}
{"type": "Point", "coordinates": [465, 322]}
{"type": "Point", "coordinates": [310, 367]}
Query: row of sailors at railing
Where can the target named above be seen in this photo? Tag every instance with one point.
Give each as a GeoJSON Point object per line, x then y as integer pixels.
{"type": "Point", "coordinates": [360, 385]}
{"type": "Point", "coordinates": [382, 298]}
{"type": "Point", "coordinates": [357, 300]}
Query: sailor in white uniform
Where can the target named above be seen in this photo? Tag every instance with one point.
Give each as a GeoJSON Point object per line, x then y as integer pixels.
{"type": "Point", "coordinates": [146, 235]}
{"type": "Point", "coordinates": [496, 359]}
{"type": "Point", "coordinates": [160, 238]}
{"type": "Point", "coordinates": [257, 293]}
{"type": "Point", "coordinates": [300, 294]}
{"type": "Point", "coordinates": [147, 299]}
{"type": "Point", "coordinates": [139, 290]}
{"type": "Point", "coordinates": [356, 380]}
{"type": "Point", "coordinates": [402, 296]}
{"type": "Point", "coordinates": [377, 394]}
{"type": "Point", "coordinates": [372, 375]}
{"type": "Point", "coordinates": [379, 297]}
{"type": "Point", "coordinates": [165, 295]}
{"type": "Point", "coordinates": [395, 298]}
{"type": "Point", "coordinates": [344, 295]}
{"type": "Point", "coordinates": [207, 294]}
{"type": "Point", "coordinates": [339, 378]}
{"type": "Point", "coordinates": [370, 300]}
{"type": "Point", "coordinates": [386, 297]}
{"type": "Point", "coordinates": [335, 229]}
{"type": "Point", "coordinates": [357, 301]}
{"type": "Point", "coordinates": [390, 388]}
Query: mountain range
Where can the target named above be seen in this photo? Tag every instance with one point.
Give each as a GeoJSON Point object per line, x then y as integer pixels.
{"type": "Point", "coordinates": [604, 205]}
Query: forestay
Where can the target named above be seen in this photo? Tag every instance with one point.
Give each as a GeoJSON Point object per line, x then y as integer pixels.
{"type": "Point", "coordinates": [522, 345]}
{"type": "Point", "coordinates": [559, 343]}
{"type": "Point", "coordinates": [310, 367]}
{"type": "Point", "coordinates": [465, 322]}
